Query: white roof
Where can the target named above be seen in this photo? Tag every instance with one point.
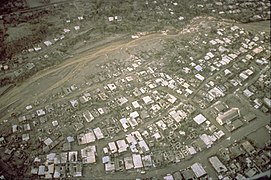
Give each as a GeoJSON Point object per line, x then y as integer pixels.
{"type": "Point", "coordinates": [191, 150]}
{"type": "Point", "coordinates": [109, 166]}
{"type": "Point", "coordinates": [168, 177]}
{"type": "Point", "coordinates": [200, 77]}
{"type": "Point", "coordinates": [47, 43]}
{"type": "Point", "coordinates": [40, 112]}
{"type": "Point", "coordinates": [88, 154]}
{"type": "Point", "coordinates": [132, 122]}
{"type": "Point", "coordinates": [112, 146]}
{"type": "Point", "coordinates": [198, 68]}
{"type": "Point", "coordinates": [134, 114]}
{"type": "Point", "coordinates": [112, 87]}
{"type": "Point", "coordinates": [48, 141]}
{"type": "Point", "coordinates": [156, 135]}
{"type": "Point", "coordinates": [98, 133]}
{"type": "Point", "coordinates": [206, 139]}
{"type": "Point", "coordinates": [198, 169]}
{"type": "Point", "coordinates": [147, 161]}
{"type": "Point", "coordinates": [41, 170]}
{"type": "Point", "coordinates": [122, 100]}
{"type": "Point", "coordinates": [135, 104]}
{"type": "Point", "coordinates": [137, 161]}
{"type": "Point", "coordinates": [161, 125]}
{"type": "Point", "coordinates": [28, 107]}
{"type": "Point", "coordinates": [122, 146]}
{"type": "Point", "coordinates": [124, 123]}
{"type": "Point", "coordinates": [143, 145]}
{"type": "Point", "coordinates": [171, 98]}
{"type": "Point", "coordinates": [131, 139]}
{"type": "Point", "coordinates": [25, 137]}
{"type": "Point", "coordinates": [76, 27]}
{"type": "Point", "coordinates": [86, 138]}
{"type": "Point", "coordinates": [248, 93]}
{"type": "Point", "coordinates": [219, 134]}
{"type": "Point", "coordinates": [189, 91]}
{"type": "Point", "coordinates": [105, 159]}
{"type": "Point", "coordinates": [199, 119]}
{"type": "Point", "coordinates": [147, 100]}
{"type": "Point", "coordinates": [73, 156]}
{"type": "Point", "coordinates": [217, 164]}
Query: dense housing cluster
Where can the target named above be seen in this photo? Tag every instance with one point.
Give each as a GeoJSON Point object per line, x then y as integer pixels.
{"type": "Point", "coordinates": [185, 96]}
{"type": "Point", "coordinates": [144, 108]}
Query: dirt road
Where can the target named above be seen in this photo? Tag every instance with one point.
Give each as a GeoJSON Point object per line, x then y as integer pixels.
{"type": "Point", "coordinates": [74, 64]}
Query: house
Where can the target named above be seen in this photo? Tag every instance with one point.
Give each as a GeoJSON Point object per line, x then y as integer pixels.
{"type": "Point", "coordinates": [247, 93]}
{"type": "Point", "coordinates": [122, 100]}
{"type": "Point", "coordinates": [178, 115]}
{"type": "Point", "coordinates": [143, 145]}
{"type": "Point", "coordinates": [98, 133]}
{"type": "Point", "coordinates": [267, 102]}
{"type": "Point", "coordinates": [48, 141]}
{"type": "Point", "coordinates": [74, 103]}
{"type": "Point", "coordinates": [85, 138]}
{"type": "Point", "coordinates": [147, 100]}
{"type": "Point", "coordinates": [133, 123]}
{"type": "Point", "coordinates": [105, 159]}
{"type": "Point", "coordinates": [199, 119]}
{"type": "Point", "coordinates": [170, 98]}
{"type": "Point", "coordinates": [112, 146]}
{"type": "Point", "coordinates": [41, 171]}
{"type": "Point", "coordinates": [228, 116]}
{"type": "Point", "coordinates": [128, 162]}
{"type": "Point", "coordinates": [206, 139]}
{"type": "Point", "coordinates": [88, 155]}
{"type": "Point", "coordinates": [125, 124]}
{"type": "Point", "coordinates": [122, 146]}
{"type": "Point", "coordinates": [198, 170]}
{"type": "Point", "coordinates": [73, 156]}
{"type": "Point", "coordinates": [200, 77]}
{"type": "Point", "coordinates": [40, 112]}
{"type": "Point", "coordinates": [177, 175]}
{"type": "Point", "coordinates": [88, 116]}
{"type": "Point", "coordinates": [2, 141]}
{"type": "Point", "coordinates": [217, 165]}
{"type": "Point", "coordinates": [248, 147]}
{"type": "Point", "coordinates": [137, 161]}
{"type": "Point", "coordinates": [188, 174]}
{"type": "Point", "coordinates": [168, 177]}
{"type": "Point", "coordinates": [110, 166]}
{"type": "Point", "coordinates": [136, 105]}
{"type": "Point", "coordinates": [147, 161]}
{"type": "Point", "coordinates": [112, 86]}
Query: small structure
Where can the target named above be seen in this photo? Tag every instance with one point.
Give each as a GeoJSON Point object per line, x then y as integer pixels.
{"type": "Point", "coordinates": [199, 119]}
{"type": "Point", "coordinates": [88, 154]}
{"type": "Point", "coordinates": [122, 146]}
{"type": "Point", "coordinates": [198, 170]}
{"type": "Point", "coordinates": [217, 164]}
{"type": "Point", "coordinates": [98, 133]}
{"type": "Point", "coordinates": [88, 116]}
{"type": "Point", "coordinates": [137, 161]}
{"type": "Point", "coordinates": [86, 138]}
